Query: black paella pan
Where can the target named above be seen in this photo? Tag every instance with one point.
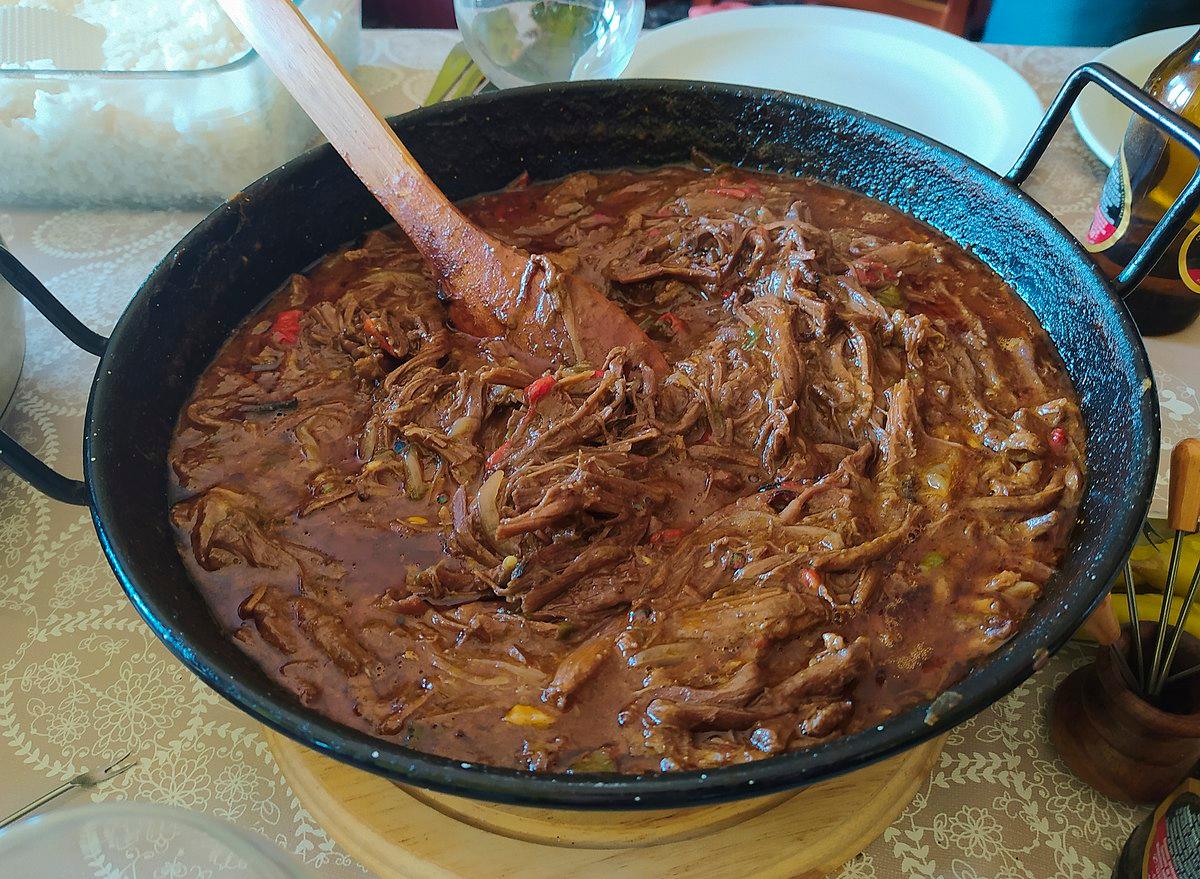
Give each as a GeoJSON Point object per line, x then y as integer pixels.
{"type": "Point", "coordinates": [233, 260]}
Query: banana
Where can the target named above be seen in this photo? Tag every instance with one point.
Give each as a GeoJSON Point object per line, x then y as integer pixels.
{"type": "Point", "coordinates": [1150, 562]}
{"type": "Point", "coordinates": [1148, 608]}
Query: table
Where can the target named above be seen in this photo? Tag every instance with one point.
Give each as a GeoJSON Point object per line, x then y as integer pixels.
{"type": "Point", "coordinates": [82, 678]}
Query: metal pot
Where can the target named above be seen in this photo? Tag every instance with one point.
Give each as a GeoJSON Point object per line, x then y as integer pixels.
{"type": "Point", "coordinates": [230, 263]}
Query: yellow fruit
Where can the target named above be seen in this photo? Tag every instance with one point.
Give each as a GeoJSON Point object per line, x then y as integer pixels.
{"type": "Point", "coordinates": [1148, 607]}
{"type": "Point", "coordinates": [1150, 562]}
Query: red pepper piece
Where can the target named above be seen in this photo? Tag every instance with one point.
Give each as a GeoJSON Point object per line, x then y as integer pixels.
{"type": "Point", "coordinates": [372, 329]}
{"type": "Point", "coordinates": [598, 373]}
{"type": "Point", "coordinates": [749, 185]}
{"type": "Point", "coordinates": [729, 191]}
{"type": "Point", "coordinates": [286, 326]}
{"type": "Point", "coordinates": [873, 273]}
{"type": "Point", "coordinates": [672, 320]}
{"type": "Point", "coordinates": [653, 233]}
{"type": "Point", "coordinates": [1058, 438]}
{"type": "Point", "coordinates": [539, 388]}
{"type": "Point", "coordinates": [812, 578]}
{"type": "Point", "coordinates": [494, 459]}
{"type": "Point", "coordinates": [666, 535]}
{"type": "Point", "coordinates": [705, 437]}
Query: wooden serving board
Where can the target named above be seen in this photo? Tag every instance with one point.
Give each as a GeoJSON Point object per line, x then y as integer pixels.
{"type": "Point", "coordinates": [402, 833]}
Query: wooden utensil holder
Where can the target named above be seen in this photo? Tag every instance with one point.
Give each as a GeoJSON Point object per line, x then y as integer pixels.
{"type": "Point", "coordinates": [1117, 742]}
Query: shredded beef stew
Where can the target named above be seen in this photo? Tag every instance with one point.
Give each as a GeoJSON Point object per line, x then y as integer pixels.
{"type": "Point", "coordinates": [853, 484]}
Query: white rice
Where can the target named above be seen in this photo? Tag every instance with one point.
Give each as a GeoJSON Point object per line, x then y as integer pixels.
{"type": "Point", "coordinates": [185, 137]}
{"type": "Point", "coordinates": [155, 34]}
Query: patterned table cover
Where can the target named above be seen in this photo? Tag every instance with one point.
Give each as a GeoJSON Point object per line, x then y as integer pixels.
{"type": "Point", "coordinates": [82, 678]}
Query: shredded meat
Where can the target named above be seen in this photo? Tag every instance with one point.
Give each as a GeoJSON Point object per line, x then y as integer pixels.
{"type": "Point", "coordinates": [852, 482]}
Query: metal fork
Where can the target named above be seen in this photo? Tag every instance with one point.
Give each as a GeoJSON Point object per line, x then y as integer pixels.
{"type": "Point", "coordinates": [82, 780]}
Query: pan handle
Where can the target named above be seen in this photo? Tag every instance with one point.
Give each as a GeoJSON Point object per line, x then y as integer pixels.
{"type": "Point", "coordinates": [1161, 117]}
{"type": "Point", "coordinates": [23, 463]}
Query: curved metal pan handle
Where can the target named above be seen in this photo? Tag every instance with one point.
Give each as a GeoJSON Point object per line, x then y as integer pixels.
{"type": "Point", "coordinates": [23, 463]}
{"type": "Point", "coordinates": [1162, 118]}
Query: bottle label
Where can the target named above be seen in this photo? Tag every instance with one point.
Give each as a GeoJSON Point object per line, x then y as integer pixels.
{"type": "Point", "coordinates": [1111, 218]}
{"type": "Point", "coordinates": [1114, 212]}
{"type": "Point", "coordinates": [1189, 260]}
{"type": "Point", "coordinates": [1173, 849]}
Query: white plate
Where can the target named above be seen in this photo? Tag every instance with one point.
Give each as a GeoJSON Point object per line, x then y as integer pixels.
{"type": "Point", "coordinates": [917, 76]}
{"type": "Point", "coordinates": [1100, 120]}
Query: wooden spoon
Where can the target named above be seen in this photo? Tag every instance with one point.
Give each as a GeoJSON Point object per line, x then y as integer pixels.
{"type": "Point", "coordinates": [1102, 626]}
{"type": "Point", "coordinates": [538, 303]}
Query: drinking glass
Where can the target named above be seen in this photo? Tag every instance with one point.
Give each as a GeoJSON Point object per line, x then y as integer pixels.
{"type": "Point", "coordinates": [525, 42]}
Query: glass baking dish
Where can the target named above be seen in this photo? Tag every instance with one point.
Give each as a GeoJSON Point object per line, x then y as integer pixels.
{"type": "Point", "coordinates": [156, 137]}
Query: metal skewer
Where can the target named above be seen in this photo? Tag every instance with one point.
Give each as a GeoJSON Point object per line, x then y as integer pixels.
{"type": "Point", "coordinates": [1182, 675]}
{"type": "Point", "coordinates": [1180, 622]}
{"type": "Point", "coordinates": [1135, 626]}
{"type": "Point", "coordinates": [1160, 636]}
{"type": "Point", "coordinates": [1183, 511]}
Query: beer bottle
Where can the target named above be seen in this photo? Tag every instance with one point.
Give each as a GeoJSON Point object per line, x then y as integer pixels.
{"type": "Point", "coordinates": [1150, 171]}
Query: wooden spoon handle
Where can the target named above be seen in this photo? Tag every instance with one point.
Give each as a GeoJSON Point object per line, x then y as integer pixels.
{"type": "Point", "coordinates": [488, 277]}
{"type": "Point", "coordinates": [1183, 508]}
{"type": "Point", "coordinates": [1102, 626]}
{"type": "Point", "coordinates": [316, 79]}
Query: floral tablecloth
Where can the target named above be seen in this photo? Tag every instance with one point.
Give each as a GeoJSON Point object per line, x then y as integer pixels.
{"type": "Point", "coordinates": [82, 679]}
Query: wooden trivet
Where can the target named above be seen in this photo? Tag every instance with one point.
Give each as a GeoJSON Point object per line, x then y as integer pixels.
{"type": "Point", "coordinates": [402, 832]}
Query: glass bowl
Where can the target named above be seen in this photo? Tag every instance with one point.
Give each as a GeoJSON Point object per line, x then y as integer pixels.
{"type": "Point", "coordinates": [156, 137]}
{"type": "Point", "coordinates": [124, 839]}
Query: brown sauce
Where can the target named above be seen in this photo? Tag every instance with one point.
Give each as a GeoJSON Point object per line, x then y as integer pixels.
{"type": "Point", "coordinates": [852, 486]}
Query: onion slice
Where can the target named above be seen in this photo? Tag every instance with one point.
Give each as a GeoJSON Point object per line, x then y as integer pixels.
{"type": "Point", "coordinates": [416, 478]}
{"type": "Point", "coordinates": [488, 501]}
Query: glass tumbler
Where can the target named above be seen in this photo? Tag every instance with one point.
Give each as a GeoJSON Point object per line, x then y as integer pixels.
{"type": "Point", "coordinates": [525, 42]}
